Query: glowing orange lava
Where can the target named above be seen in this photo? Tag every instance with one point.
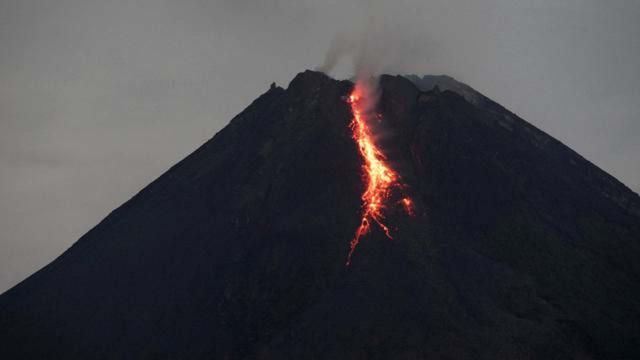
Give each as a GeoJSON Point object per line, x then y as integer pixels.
{"type": "Point", "coordinates": [407, 203]}
{"type": "Point", "coordinates": [380, 177]}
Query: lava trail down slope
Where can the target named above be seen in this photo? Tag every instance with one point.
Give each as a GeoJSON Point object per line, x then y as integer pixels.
{"type": "Point", "coordinates": [518, 248]}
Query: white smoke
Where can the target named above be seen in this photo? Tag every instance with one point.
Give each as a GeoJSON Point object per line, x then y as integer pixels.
{"type": "Point", "coordinates": [381, 44]}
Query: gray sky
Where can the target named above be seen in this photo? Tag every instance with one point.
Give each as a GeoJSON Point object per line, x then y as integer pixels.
{"type": "Point", "coordinates": [99, 97]}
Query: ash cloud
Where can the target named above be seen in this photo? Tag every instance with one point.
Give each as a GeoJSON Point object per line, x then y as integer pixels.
{"type": "Point", "coordinates": [341, 46]}
{"type": "Point", "coordinates": [380, 44]}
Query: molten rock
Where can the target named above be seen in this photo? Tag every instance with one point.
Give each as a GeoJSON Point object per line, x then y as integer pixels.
{"type": "Point", "coordinates": [517, 246]}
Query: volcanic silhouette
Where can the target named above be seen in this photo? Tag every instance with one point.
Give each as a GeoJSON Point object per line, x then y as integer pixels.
{"type": "Point", "coordinates": [518, 248]}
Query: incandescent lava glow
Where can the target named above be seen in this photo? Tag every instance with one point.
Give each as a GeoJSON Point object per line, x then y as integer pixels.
{"type": "Point", "coordinates": [380, 177]}
{"type": "Point", "coordinates": [407, 203]}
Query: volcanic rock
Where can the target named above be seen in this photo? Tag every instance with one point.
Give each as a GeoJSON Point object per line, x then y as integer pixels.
{"type": "Point", "coordinates": [519, 248]}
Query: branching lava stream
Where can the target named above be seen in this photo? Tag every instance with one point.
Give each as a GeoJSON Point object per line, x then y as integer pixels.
{"type": "Point", "coordinates": [380, 177]}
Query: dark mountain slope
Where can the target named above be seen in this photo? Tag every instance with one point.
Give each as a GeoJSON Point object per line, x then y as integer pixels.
{"type": "Point", "coordinates": [520, 248]}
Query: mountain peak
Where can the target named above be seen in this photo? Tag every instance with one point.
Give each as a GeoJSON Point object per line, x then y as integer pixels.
{"type": "Point", "coordinates": [519, 247]}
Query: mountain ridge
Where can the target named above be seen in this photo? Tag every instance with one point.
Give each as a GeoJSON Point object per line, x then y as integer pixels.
{"type": "Point", "coordinates": [445, 82]}
{"type": "Point", "coordinates": [238, 250]}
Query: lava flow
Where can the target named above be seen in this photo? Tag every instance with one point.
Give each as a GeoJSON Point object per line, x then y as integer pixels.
{"type": "Point", "coordinates": [380, 177]}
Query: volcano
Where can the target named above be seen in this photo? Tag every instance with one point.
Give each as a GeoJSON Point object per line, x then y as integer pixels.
{"type": "Point", "coordinates": [517, 247]}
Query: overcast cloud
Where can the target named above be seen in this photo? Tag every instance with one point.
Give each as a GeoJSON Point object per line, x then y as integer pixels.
{"type": "Point", "coordinates": [99, 97]}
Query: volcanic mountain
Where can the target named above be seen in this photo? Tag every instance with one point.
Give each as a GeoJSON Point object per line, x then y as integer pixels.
{"type": "Point", "coordinates": [518, 248]}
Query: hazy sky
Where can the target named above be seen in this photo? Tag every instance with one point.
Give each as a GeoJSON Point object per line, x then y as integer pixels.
{"type": "Point", "coordinates": [99, 97]}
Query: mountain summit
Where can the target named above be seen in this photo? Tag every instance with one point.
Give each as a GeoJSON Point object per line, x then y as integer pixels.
{"type": "Point", "coordinates": [518, 247]}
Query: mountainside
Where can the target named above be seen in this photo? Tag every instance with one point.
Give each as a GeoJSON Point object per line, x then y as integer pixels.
{"type": "Point", "coordinates": [519, 248]}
